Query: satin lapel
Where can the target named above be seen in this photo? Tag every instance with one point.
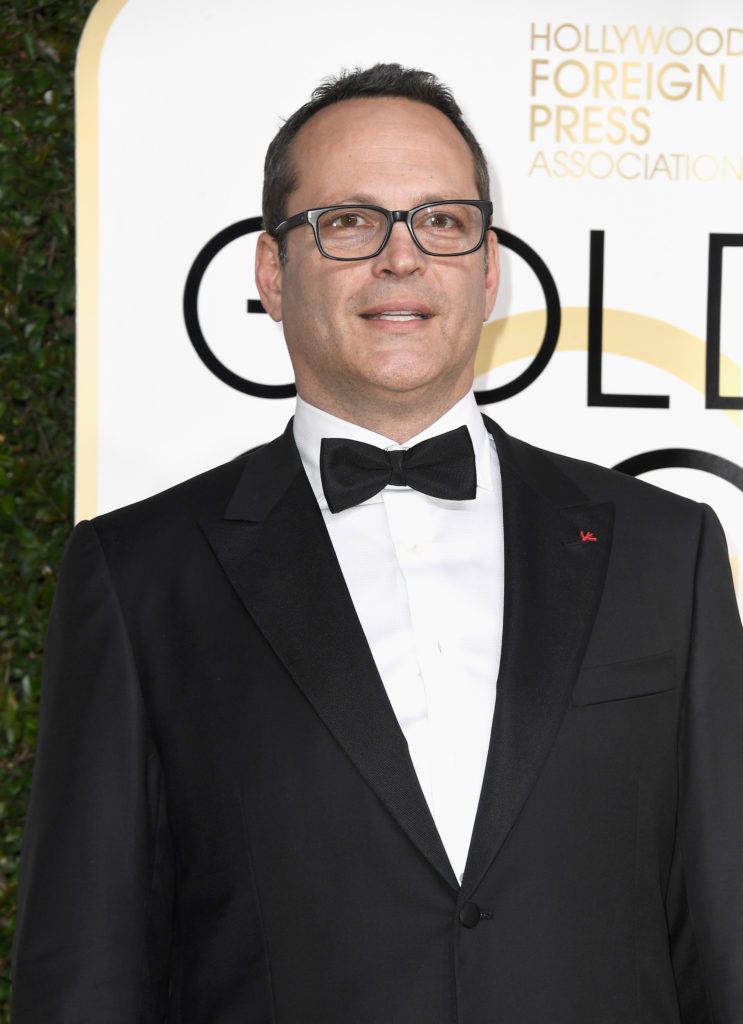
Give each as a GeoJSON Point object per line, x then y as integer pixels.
{"type": "Point", "coordinates": [274, 547]}
{"type": "Point", "coordinates": [554, 577]}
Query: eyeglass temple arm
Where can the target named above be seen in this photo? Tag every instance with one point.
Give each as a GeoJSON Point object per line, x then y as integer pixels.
{"type": "Point", "coordinates": [292, 222]}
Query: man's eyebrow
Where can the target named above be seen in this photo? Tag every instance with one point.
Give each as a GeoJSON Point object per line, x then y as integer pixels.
{"type": "Point", "coordinates": [420, 200]}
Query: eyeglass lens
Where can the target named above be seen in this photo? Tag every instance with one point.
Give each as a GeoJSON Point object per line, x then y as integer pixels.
{"type": "Point", "coordinates": [447, 228]}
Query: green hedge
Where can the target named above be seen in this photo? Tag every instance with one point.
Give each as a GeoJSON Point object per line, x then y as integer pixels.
{"type": "Point", "coordinates": [37, 55]}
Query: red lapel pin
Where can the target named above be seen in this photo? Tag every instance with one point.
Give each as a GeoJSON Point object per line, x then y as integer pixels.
{"type": "Point", "coordinates": [586, 535]}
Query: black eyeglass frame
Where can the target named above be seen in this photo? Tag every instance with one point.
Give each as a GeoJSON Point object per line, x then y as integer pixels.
{"type": "Point", "coordinates": [311, 217]}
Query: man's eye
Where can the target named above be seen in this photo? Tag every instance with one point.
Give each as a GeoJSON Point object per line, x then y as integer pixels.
{"type": "Point", "coordinates": [347, 220]}
{"type": "Point", "coordinates": [440, 220]}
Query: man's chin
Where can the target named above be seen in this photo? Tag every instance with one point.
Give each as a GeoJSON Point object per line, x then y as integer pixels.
{"type": "Point", "coordinates": [403, 356]}
{"type": "Point", "coordinates": [403, 381]}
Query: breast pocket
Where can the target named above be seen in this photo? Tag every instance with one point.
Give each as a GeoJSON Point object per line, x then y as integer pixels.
{"type": "Point", "coordinates": [625, 680]}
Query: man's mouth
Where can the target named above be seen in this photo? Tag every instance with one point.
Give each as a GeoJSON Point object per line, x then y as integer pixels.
{"type": "Point", "coordinates": [398, 315]}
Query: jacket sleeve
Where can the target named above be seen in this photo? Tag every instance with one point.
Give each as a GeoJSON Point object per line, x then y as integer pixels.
{"type": "Point", "coordinates": [96, 881]}
{"type": "Point", "coordinates": [705, 908]}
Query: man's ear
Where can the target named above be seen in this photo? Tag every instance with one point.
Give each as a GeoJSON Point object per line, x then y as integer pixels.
{"type": "Point", "coordinates": [269, 274]}
{"type": "Point", "coordinates": [492, 273]}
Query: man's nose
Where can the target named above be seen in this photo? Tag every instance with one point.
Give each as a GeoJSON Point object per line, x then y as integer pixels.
{"type": "Point", "coordinates": [400, 256]}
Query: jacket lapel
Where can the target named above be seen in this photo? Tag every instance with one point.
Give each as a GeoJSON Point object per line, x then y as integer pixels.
{"type": "Point", "coordinates": [554, 577]}
{"type": "Point", "coordinates": [275, 549]}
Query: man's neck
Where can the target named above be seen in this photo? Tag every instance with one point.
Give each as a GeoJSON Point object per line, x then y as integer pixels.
{"type": "Point", "coordinates": [398, 422]}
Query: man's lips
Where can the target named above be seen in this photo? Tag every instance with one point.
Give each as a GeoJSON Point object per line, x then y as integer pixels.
{"type": "Point", "coordinates": [398, 312]}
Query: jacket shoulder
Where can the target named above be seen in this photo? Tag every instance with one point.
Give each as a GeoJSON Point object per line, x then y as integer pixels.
{"type": "Point", "coordinates": [177, 508]}
{"type": "Point", "coordinates": [601, 483]}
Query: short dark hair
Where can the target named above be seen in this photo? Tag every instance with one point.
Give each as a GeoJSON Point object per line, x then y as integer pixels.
{"type": "Point", "coordinates": [381, 80]}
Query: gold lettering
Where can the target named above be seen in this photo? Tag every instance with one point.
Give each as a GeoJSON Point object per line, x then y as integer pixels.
{"type": "Point", "coordinates": [578, 161]}
{"type": "Point", "coordinates": [592, 125]}
{"type": "Point", "coordinates": [716, 35]}
{"type": "Point", "coordinates": [616, 118]}
{"type": "Point", "coordinates": [675, 90]}
{"type": "Point", "coordinates": [536, 36]}
{"type": "Point", "coordinates": [631, 165]}
{"type": "Point", "coordinates": [620, 166]}
{"type": "Point", "coordinates": [647, 41]}
{"type": "Point", "coordinates": [631, 77]}
{"type": "Point", "coordinates": [680, 166]}
{"type": "Point", "coordinates": [567, 119]}
{"type": "Point", "coordinates": [641, 121]}
{"type": "Point", "coordinates": [719, 89]}
{"type": "Point", "coordinates": [560, 76]}
{"type": "Point", "coordinates": [737, 172]}
{"type": "Point", "coordinates": [561, 164]}
{"type": "Point", "coordinates": [540, 117]}
{"type": "Point", "coordinates": [649, 81]}
{"type": "Point", "coordinates": [679, 40]}
{"type": "Point", "coordinates": [622, 38]}
{"type": "Point", "coordinates": [535, 76]}
{"type": "Point", "coordinates": [729, 42]}
{"type": "Point", "coordinates": [560, 31]}
{"type": "Point", "coordinates": [695, 167]}
{"type": "Point", "coordinates": [660, 167]}
{"type": "Point", "coordinates": [605, 48]}
{"type": "Point", "coordinates": [627, 80]}
{"type": "Point", "coordinates": [587, 40]}
{"type": "Point", "coordinates": [685, 34]}
{"type": "Point", "coordinates": [604, 76]}
{"type": "Point", "coordinates": [595, 159]}
{"type": "Point", "coordinates": [539, 163]}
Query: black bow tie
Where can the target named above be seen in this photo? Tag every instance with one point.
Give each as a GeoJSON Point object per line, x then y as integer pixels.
{"type": "Point", "coordinates": [352, 471]}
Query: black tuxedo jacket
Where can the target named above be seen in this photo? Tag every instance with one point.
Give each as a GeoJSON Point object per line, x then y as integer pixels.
{"type": "Point", "coordinates": [225, 825]}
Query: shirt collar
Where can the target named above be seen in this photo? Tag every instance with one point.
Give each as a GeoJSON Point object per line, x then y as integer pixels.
{"type": "Point", "coordinates": [311, 425]}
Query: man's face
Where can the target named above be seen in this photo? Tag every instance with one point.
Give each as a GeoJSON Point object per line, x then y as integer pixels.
{"type": "Point", "coordinates": [394, 153]}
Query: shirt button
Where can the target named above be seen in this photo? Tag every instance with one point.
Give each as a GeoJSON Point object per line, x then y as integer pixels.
{"type": "Point", "coordinates": [469, 915]}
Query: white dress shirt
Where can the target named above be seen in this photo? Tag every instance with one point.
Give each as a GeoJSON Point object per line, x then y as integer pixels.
{"type": "Point", "coordinates": [426, 578]}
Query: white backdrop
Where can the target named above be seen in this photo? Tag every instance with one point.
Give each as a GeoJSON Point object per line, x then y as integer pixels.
{"type": "Point", "coordinates": [624, 123]}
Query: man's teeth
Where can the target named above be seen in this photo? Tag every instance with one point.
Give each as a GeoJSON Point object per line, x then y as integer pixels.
{"type": "Point", "coordinates": [399, 314]}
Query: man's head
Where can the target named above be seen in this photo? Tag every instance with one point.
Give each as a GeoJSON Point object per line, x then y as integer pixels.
{"type": "Point", "coordinates": [395, 138]}
{"type": "Point", "coordinates": [382, 80]}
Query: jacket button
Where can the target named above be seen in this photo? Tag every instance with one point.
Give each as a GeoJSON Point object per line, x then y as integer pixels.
{"type": "Point", "coordinates": [469, 915]}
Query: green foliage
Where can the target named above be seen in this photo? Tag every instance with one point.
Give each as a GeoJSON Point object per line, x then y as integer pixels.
{"type": "Point", "coordinates": [37, 54]}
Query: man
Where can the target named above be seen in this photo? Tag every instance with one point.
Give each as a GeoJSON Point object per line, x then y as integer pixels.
{"type": "Point", "coordinates": [395, 719]}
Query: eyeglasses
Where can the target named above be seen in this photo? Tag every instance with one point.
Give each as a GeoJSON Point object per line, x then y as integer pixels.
{"type": "Point", "coordinates": [357, 232]}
